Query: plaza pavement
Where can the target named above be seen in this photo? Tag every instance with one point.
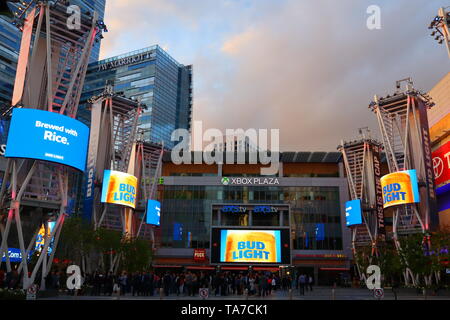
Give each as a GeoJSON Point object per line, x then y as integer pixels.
{"type": "Point", "coordinates": [318, 293]}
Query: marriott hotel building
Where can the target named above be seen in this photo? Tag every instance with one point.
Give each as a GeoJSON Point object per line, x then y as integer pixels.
{"type": "Point", "coordinates": [305, 200]}
{"type": "Point", "coordinates": [152, 76]}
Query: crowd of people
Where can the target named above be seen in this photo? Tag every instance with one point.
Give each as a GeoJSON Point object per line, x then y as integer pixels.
{"type": "Point", "coordinates": [188, 283]}
{"type": "Point", "coordinates": [172, 283]}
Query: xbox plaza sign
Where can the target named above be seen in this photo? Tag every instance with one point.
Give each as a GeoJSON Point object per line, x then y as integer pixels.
{"type": "Point", "coordinates": [250, 181]}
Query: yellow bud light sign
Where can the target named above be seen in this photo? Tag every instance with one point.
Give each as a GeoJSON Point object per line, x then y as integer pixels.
{"type": "Point", "coordinates": [119, 188]}
{"type": "Point", "coordinates": [250, 246]}
{"type": "Point", "coordinates": [400, 188]}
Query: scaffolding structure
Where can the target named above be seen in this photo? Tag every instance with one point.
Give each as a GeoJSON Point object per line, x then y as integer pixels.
{"type": "Point", "coordinates": [149, 163]}
{"type": "Point", "coordinates": [403, 124]}
{"type": "Point", "coordinates": [50, 75]}
{"type": "Point", "coordinates": [112, 146]}
{"type": "Point", "coordinates": [363, 167]}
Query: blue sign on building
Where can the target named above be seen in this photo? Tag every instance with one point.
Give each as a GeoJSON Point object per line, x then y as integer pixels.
{"type": "Point", "coordinates": [153, 212]}
{"type": "Point", "coordinates": [177, 231]}
{"type": "Point", "coordinates": [353, 212]}
{"type": "Point", "coordinates": [48, 136]}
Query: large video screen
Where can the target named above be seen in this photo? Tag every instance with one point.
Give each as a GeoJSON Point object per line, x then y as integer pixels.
{"type": "Point", "coordinates": [250, 246]}
{"type": "Point", "coordinates": [119, 188]}
{"type": "Point", "coordinates": [48, 136]}
{"type": "Point", "coordinates": [153, 212]}
{"type": "Point", "coordinates": [353, 212]}
{"type": "Point", "coordinates": [400, 188]}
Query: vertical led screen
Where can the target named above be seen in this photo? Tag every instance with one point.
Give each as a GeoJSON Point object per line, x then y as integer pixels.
{"type": "Point", "coordinates": [353, 212]}
{"type": "Point", "coordinates": [153, 212]}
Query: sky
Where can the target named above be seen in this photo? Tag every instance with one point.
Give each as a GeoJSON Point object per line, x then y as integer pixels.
{"type": "Point", "coordinates": [309, 68]}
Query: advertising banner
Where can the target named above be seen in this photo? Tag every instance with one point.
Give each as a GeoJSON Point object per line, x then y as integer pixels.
{"type": "Point", "coordinates": [253, 246]}
{"type": "Point", "coordinates": [153, 212]}
{"type": "Point", "coordinates": [91, 172]}
{"type": "Point", "coordinates": [400, 188]}
{"type": "Point", "coordinates": [119, 188]}
{"type": "Point", "coordinates": [353, 212]}
{"type": "Point", "coordinates": [441, 165]}
{"type": "Point", "coordinates": [48, 136]}
{"type": "Point", "coordinates": [378, 190]}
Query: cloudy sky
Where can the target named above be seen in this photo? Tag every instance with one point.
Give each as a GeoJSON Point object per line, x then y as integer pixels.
{"type": "Point", "coordinates": [306, 67]}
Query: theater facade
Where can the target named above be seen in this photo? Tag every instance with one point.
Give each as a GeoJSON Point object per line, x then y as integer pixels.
{"type": "Point", "coordinates": [229, 217]}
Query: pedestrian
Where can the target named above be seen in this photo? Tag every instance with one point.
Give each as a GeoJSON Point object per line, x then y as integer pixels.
{"type": "Point", "coordinates": [310, 283]}
{"type": "Point", "coordinates": [301, 284]}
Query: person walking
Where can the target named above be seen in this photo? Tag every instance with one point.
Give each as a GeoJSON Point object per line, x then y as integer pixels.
{"type": "Point", "coordinates": [310, 283]}
{"type": "Point", "coordinates": [301, 284]}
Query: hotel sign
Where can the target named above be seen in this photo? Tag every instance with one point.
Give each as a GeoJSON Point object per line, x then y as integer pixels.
{"type": "Point", "coordinates": [124, 61]}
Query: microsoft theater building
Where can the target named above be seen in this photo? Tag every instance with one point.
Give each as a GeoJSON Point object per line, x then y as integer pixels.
{"type": "Point", "coordinates": [231, 218]}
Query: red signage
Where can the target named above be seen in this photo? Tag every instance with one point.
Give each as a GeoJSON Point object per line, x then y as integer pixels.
{"type": "Point", "coordinates": [199, 254]}
{"type": "Point", "coordinates": [441, 165]}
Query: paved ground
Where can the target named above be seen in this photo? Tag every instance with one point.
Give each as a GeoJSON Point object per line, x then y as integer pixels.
{"type": "Point", "coordinates": [319, 293]}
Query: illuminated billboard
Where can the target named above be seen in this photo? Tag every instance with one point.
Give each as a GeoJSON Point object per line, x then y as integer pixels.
{"type": "Point", "coordinates": [353, 212]}
{"type": "Point", "coordinates": [48, 136]}
{"type": "Point", "coordinates": [153, 212]}
{"type": "Point", "coordinates": [250, 246]}
{"type": "Point", "coordinates": [119, 188]}
{"type": "Point", "coordinates": [441, 165]}
{"type": "Point", "coordinates": [400, 188]}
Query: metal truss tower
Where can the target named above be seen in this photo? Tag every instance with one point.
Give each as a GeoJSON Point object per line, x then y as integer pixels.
{"type": "Point", "coordinates": [403, 123]}
{"type": "Point", "coordinates": [112, 146]}
{"type": "Point", "coordinates": [363, 167]}
{"type": "Point", "coordinates": [149, 163]}
{"type": "Point", "coordinates": [50, 74]}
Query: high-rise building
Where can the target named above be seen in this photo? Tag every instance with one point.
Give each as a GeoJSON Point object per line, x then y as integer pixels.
{"type": "Point", "coordinates": [9, 53]}
{"type": "Point", "coordinates": [99, 7]}
{"type": "Point", "coordinates": [154, 77]}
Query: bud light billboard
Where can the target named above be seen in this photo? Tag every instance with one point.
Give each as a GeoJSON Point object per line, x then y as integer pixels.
{"type": "Point", "coordinates": [353, 212]}
{"type": "Point", "coordinates": [48, 136]}
{"type": "Point", "coordinates": [119, 188]}
{"type": "Point", "coordinates": [255, 246]}
{"type": "Point", "coordinates": [153, 212]}
{"type": "Point", "coordinates": [400, 188]}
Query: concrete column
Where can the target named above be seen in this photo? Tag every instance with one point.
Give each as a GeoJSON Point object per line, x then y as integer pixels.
{"type": "Point", "coordinates": [219, 169]}
{"type": "Point", "coordinates": [280, 169]}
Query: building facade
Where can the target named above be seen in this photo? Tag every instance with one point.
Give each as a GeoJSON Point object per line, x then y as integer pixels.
{"type": "Point", "coordinates": [153, 77]}
{"type": "Point", "coordinates": [307, 197]}
{"type": "Point", "coordinates": [439, 121]}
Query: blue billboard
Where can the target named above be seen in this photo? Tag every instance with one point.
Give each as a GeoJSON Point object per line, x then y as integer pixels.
{"type": "Point", "coordinates": [153, 212]}
{"type": "Point", "coordinates": [48, 136]}
{"type": "Point", "coordinates": [15, 255]}
{"type": "Point", "coordinates": [353, 212]}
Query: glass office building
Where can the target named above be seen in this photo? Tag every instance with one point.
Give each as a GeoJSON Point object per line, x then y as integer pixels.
{"type": "Point", "coordinates": [153, 77]}
{"type": "Point", "coordinates": [9, 53]}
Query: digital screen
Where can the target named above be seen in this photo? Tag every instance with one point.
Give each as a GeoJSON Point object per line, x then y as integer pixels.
{"type": "Point", "coordinates": [353, 212]}
{"type": "Point", "coordinates": [14, 255]}
{"type": "Point", "coordinates": [400, 188]}
{"type": "Point", "coordinates": [48, 136]}
{"type": "Point", "coordinates": [177, 231]}
{"type": "Point", "coordinates": [441, 166]}
{"type": "Point", "coordinates": [153, 212]}
{"type": "Point", "coordinates": [119, 188]}
{"type": "Point", "coordinates": [250, 246]}
{"type": "Point", "coordinates": [40, 238]}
